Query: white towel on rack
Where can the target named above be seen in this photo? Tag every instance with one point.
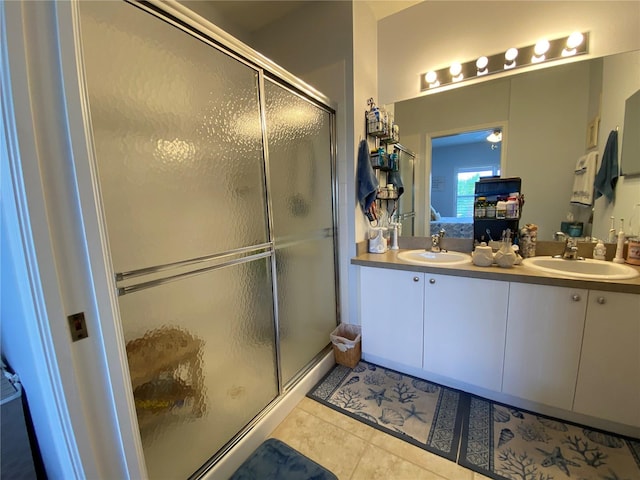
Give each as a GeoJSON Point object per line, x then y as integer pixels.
{"type": "Point", "coordinates": [583, 177]}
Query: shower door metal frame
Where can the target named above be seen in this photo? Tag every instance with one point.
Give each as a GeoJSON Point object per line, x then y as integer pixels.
{"type": "Point", "coordinates": [180, 17]}
{"type": "Point", "coordinates": [283, 388]}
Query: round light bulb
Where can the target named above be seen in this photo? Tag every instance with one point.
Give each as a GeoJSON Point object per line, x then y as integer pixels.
{"type": "Point", "coordinates": [575, 40]}
{"type": "Point", "coordinates": [511, 54]}
{"type": "Point", "coordinates": [455, 69]}
{"type": "Point", "coordinates": [482, 63]}
{"type": "Point", "coordinates": [431, 77]}
{"type": "Point", "coordinates": [541, 47]}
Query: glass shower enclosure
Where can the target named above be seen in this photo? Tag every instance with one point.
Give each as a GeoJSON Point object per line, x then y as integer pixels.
{"type": "Point", "coordinates": [217, 187]}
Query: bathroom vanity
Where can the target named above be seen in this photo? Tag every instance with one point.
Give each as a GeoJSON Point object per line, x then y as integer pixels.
{"type": "Point", "coordinates": [561, 346]}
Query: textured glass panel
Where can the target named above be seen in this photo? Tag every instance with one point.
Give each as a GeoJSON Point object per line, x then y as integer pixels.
{"type": "Point", "coordinates": [299, 140]}
{"type": "Point", "coordinates": [177, 135]}
{"type": "Point", "coordinates": [298, 136]}
{"type": "Point", "coordinates": [178, 142]}
{"type": "Point", "coordinates": [202, 361]}
{"type": "Point", "coordinates": [306, 302]}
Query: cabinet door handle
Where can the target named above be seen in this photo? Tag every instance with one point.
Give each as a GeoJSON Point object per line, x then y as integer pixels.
{"type": "Point", "coordinates": [575, 297]}
{"type": "Point", "coordinates": [432, 281]}
{"type": "Point", "coordinates": [416, 279]}
{"type": "Point", "coordinates": [601, 300]}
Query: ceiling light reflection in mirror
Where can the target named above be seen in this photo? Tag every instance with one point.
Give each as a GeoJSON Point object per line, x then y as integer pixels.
{"type": "Point", "coordinates": [542, 51]}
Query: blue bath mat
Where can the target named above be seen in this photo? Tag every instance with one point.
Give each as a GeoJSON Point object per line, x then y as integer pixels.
{"type": "Point", "coordinates": [419, 412]}
{"type": "Point", "coordinates": [275, 460]}
{"type": "Point", "coordinates": [503, 442]}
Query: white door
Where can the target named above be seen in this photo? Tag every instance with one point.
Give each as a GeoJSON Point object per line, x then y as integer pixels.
{"type": "Point", "coordinates": [609, 377]}
{"type": "Point", "coordinates": [544, 334]}
{"type": "Point", "coordinates": [391, 315]}
{"type": "Point", "coordinates": [465, 321]}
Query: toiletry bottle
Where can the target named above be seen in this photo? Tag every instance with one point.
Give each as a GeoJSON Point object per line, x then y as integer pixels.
{"type": "Point", "coordinates": [512, 207]}
{"type": "Point", "coordinates": [600, 251]}
{"type": "Point", "coordinates": [501, 208]}
{"type": "Point", "coordinates": [394, 235]}
{"type": "Point", "coordinates": [633, 251]}
{"type": "Point", "coordinates": [491, 209]}
{"type": "Point", "coordinates": [612, 232]}
{"type": "Point", "coordinates": [619, 258]}
{"type": "Point", "coordinates": [480, 210]}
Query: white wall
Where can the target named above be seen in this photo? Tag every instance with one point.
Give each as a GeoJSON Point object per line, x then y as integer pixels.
{"type": "Point", "coordinates": [215, 15]}
{"type": "Point", "coordinates": [68, 384]}
{"type": "Point", "coordinates": [365, 86]}
{"type": "Point", "coordinates": [431, 35]}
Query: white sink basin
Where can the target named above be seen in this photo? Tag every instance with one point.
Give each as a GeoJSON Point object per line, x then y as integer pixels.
{"type": "Point", "coordinates": [588, 268]}
{"type": "Point", "coordinates": [422, 257]}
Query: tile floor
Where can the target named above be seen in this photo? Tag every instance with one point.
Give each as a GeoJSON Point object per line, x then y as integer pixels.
{"type": "Point", "coordinates": [355, 451]}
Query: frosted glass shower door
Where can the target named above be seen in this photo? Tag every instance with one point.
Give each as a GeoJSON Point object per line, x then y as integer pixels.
{"type": "Point", "coordinates": [299, 136]}
{"type": "Point", "coordinates": [178, 140]}
{"type": "Point", "coordinates": [178, 137]}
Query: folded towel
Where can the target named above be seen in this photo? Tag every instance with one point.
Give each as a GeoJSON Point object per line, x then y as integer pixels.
{"type": "Point", "coordinates": [584, 176]}
{"type": "Point", "coordinates": [366, 178]}
{"type": "Point", "coordinates": [394, 179]}
{"type": "Point", "coordinates": [607, 176]}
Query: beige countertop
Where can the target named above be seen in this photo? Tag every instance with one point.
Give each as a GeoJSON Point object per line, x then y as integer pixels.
{"type": "Point", "coordinates": [517, 273]}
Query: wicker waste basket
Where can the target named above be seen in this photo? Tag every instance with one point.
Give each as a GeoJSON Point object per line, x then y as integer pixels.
{"type": "Point", "coordinates": [347, 345]}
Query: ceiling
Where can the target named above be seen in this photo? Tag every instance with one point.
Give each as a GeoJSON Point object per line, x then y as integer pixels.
{"type": "Point", "coordinates": [252, 15]}
{"type": "Point", "coordinates": [461, 138]}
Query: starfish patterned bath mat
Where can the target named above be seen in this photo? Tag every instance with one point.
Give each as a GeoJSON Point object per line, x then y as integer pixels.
{"type": "Point", "coordinates": [502, 442]}
{"type": "Point", "coordinates": [420, 412]}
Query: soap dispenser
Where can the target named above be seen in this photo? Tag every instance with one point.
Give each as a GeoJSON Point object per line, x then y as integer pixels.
{"type": "Point", "coordinates": [599, 251]}
{"type": "Point", "coordinates": [482, 256]}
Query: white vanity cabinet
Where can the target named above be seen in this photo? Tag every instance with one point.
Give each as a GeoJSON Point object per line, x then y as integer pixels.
{"type": "Point", "coordinates": [464, 329]}
{"type": "Point", "coordinates": [609, 377]}
{"type": "Point", "coordinates": [391, 315]}
{"type": "Point", "coordinates": [544, 336]}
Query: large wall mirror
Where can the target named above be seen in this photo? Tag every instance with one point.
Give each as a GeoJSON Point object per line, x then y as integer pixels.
{"type": "Point", "coordinates": [549, 118]}
{"type": "Point", "coordinates": [631, 143]}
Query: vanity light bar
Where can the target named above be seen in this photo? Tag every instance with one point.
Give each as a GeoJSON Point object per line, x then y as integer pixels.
{"type": "Point", "coordinates": [543, 51]}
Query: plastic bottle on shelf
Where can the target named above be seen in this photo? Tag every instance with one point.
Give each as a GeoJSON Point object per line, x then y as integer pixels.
{"type": "Point", "coordinates": [480, 208]}
{"type": "Point", "coordinates": [491, 209]}
{"type": "Point", "coordinates": [501, 208]}
{"type": "Point", "coordinates": [391, 190]}
{"type": "Point", "coordinates": [512, 206]}
{"type": "Point", "coordinates": [393, 161]}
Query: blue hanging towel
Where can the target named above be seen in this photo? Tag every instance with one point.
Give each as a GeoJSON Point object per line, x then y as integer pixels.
{"type": "Point", "coordinates": [366, 178]}
{"type": "Point", "coordinates": [607, 176]}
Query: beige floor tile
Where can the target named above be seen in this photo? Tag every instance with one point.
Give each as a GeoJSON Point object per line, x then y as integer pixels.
{"type": "Point", "coordinates": [332, 447]}
{"type": "Point", "coordinates": [378, 464]}
{"type": "Point", "coordinates": [479, 476]}
{"type": "Point", "coordinates": [338, 419]}
{"type": "Point", "coordinates": [439, 465]}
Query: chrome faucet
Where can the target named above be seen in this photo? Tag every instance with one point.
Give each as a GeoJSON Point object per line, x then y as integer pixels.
{"type": "Point", "coordinates": [570, 246]}
{"type": "Point", "coordinates": [436, 241]}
